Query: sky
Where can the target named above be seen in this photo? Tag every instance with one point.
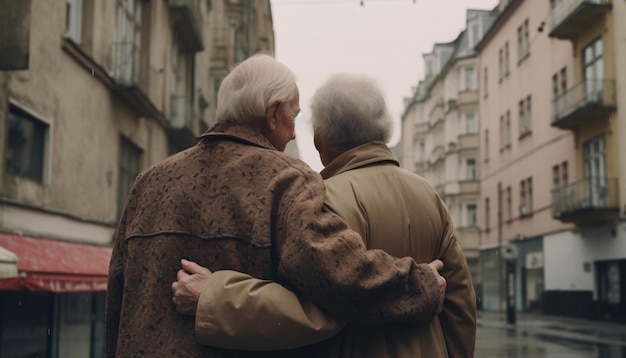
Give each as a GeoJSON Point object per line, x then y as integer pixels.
{"type": "Point", "coordinates": [381, 38]}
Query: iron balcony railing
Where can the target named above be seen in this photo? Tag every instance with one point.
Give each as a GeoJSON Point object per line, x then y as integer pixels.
{"type": "Point", "coordinates": [588, 194]}
{"type": "Point", "coordinates": [126, 63]}
{"type": "Point", "coordinates": [588, 93]}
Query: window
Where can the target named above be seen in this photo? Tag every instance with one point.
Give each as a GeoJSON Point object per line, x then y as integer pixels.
{"type": "Point", "coordinates": [564, 80]}
{"type": "Point", "coordinates": [520, 42]}
{"type": "Point", "coordinates": [526, 202]}
{"type": "Point", "coordinates": [130, 158]}
{"type": "Point", "coordinates": [500, 65]}
{"type": "Point", "coordinates": [26, 315]}
{"type": "Point", "coordinates": [523, 209]}
{"type": "Point", "coordinates": [507, 129]}
{"type": "Point", "coordinates": [564, 173]}
{"type": "Point", "coordinates": [523, 40]}
{"type": "Point", "coordinates": [470, 164]}
{"type": "Point", "coordinates": [556, 176]}
{"type": "Point", "coordinates": [529, 199]}
{"type": "Point", "coordinates": [487, 213]}
{"type": "Point", "coordinates": [509, 203]}
{"type": "Point", "coordinates": [525, 116]}
{"type": "Point", "coordinates": [502, 134]}
{"type": "Point", "coordinates": [486, 144]}
{"type": "Point", "coordinates": [471, 215]}
{"type": "Point", "coordinates": [559, 83]}
{"type": "Point", "coordinates": [73, 20]}
{"type": "Point", "coordinates": [81, 319]}
{"type": "Point", "coordinates": [470, 79]}
{"type": "Point", "coordinates": [181, 91]}
{"type": "Point", "coordinates": [470, 123]}
{"type": "Point", "coordinates": [594, 71]}
{"type": "Point", "coordinates": [529, 117]}
{"type": "Point", "coordinates": [506, 59]}
{"type": "Point", "coordinates": [485, 82]}
{"type": "Point", "coordinates": [595, 170]}
{"type": "Point", "coordinates": [474, 35]}
{"type": "Point", "coordinates": [526, 38]}
{"type": "Point", "coordinates": [25, 145]}
{"type": "Point", "coordinates": [127, 46]}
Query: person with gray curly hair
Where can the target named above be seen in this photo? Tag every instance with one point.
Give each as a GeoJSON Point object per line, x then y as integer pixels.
{"type": "Point", "coordinates": [236, 201]}
{"type": "Point", "coordinates": [393, 209]}
{"type": "Point", "coordinates": [349, 111]}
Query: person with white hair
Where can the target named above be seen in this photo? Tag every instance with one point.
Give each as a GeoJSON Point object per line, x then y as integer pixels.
{"type": "Point", "coordinates": [393, 209]}
{"type": "Point", "coordinates": [236, 201]}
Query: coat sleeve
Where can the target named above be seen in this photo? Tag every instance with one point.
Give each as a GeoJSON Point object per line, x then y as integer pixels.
{"type": "Point", "coordinates": [115, 289]}
{"type": "Point", "coordinates": [323, 261]}
{"type": "Point", "coordinates": [237, 311]}
{"type": "Point", "coordinates": [458, 318]}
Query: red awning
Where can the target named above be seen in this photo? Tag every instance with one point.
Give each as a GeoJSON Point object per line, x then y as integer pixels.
{"type": "Point", "coordinates": [55, 266]}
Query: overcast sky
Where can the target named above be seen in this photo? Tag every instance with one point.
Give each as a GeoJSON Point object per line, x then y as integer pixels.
{"type": "Point", "coordinates": [383, 38]}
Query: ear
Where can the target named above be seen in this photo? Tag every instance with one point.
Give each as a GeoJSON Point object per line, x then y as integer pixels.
{"type": "Point", "coordinates": [321, 149]}
{"type": "Point", "coordinates": [270, 114]}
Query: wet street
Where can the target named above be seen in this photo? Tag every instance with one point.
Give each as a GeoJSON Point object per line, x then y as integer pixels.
{"type": "Point", "coordinates": [538, 337]}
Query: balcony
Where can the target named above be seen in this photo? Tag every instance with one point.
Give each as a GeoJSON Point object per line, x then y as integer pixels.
{"type": "Point", "coordinates": [437, 113]}
{"type": "Point", "coordinates": [188, 24]}
{"type": "Point", "coordinates": [469, 186]}
{"type": "Point", "coordinates": [467, 97]}
{"type": "Point", "coordinates": [468, 141]}
{"type": "Point", "coordinates": [421, 127]}
{"type": "Point", "coordinates": [438, 153]}
{"type": "Point", "coordinates": [130, 80]}
{"type": "Point", "coordinates": [589, 100]}
{"type": "Point", "coordinates": [570, 18]}
{"type": "Point", "coordinates": [180, 130]}
{"type": "Point", "coordinates": [588, 201]}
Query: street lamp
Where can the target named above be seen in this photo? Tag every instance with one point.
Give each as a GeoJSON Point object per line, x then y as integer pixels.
{"type": "Point", "coordinates": [509, 253]}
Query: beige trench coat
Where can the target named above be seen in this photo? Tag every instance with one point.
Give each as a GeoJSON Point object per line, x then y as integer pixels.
{"type": "Point", "coordinates": [396, 211]}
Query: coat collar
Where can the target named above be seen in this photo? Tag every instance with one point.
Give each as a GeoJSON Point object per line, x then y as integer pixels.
{"type": "Point", "coordinates": [363, 155]}
{"type": "Point", "coordinates": [236, 131]}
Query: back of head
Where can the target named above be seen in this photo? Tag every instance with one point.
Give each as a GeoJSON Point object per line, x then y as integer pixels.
{"type": "Point", "coordinates": [350, 110]}
{"type": "Point", "coordinates": [247, 90]}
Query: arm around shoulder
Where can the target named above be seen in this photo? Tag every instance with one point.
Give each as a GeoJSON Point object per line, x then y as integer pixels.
{"type": "Point", "coordinates": [237, 311]}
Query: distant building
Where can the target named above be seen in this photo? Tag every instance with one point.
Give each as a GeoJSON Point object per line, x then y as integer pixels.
{"type": "Point", "coordinates": [551, 173]}
{"type": "Point", "coordinates": [591, 107]}
{"type": "Point", "coordinates": [107, 89]}
{"type": "Point", "coordinates": [440, 130]}
{"type": "Point", "coordinates": [550, 183]}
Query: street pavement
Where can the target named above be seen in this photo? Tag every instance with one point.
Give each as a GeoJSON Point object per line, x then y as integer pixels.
{"type": "Point", "coordinates": [540, 336]}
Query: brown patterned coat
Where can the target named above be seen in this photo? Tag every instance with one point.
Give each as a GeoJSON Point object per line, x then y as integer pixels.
{"type": "Point", "coordinates": [234, 202]}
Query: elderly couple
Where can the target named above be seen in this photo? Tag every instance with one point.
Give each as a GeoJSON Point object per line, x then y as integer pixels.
{"type": "Point", "coordinates": [280, 261]}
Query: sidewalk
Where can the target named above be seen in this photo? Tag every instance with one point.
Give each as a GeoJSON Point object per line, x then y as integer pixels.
{"type": "Point", "coordinates": [584, 330]}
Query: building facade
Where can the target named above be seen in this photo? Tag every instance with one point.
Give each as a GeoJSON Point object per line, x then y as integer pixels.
{"type": "Point", "coordinates": [440, 130]}
{"type": "Point", "coordinates": [550, 178]}
{"type": "Point", "coordinates": [550, 204]}
{"type": "Point", "coordinates": [520, 148]}
{"type": "Point", "coordinates": [591, 109]}
{"type": "Point", "coordinates": [96, 92]}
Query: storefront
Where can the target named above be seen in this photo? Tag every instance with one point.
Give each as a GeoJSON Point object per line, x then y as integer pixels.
{"type": "Point", "coordinates": [52, 298]}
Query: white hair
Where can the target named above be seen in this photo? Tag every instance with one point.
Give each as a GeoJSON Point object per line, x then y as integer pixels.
{"type": "Point", "coordinates": [249, 88]}
{"type": "Point", "coordinates": [350, 110]}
